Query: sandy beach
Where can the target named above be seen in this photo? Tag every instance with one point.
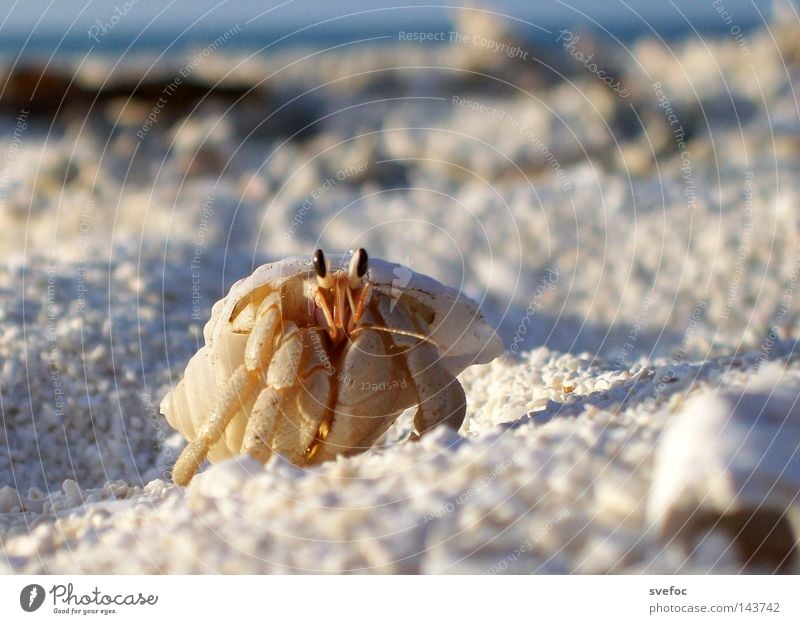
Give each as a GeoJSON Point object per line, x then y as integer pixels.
{"type": "Point", "coordinates": [625, 216]}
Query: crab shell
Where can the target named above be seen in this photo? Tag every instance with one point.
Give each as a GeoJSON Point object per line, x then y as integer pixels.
{"type": "Point", "coordinates": [455, 325]}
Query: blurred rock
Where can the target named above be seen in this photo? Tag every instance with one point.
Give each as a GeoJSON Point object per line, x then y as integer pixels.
{"type": "Point", "coordinates": [729, 462]}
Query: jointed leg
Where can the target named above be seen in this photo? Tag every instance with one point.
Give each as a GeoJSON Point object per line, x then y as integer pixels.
{"type": "Point", "coordinates": [302, 426]}
{"type": "Point", "coordinates": [289, 414]}
{"type": "Point", "coordinates": [322, 304]}
{"type": "Point", "coordinates": [441, 397]}
{"type": "Point", "coordinates": [267, 323]}
{"type": "Point", "coordinates": [358, 306]}
{"type": "Point", "coordinates": [261, 425]}
{"type": "Point", "coordinates": [241, 388]}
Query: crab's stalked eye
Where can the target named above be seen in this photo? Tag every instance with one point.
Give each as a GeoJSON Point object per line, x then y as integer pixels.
{"type": "Point", "coordinates": [319, 264]}
{"type": "Point", "coordinates": [322, 269]}
{"type": "Point", "coordinates": [359, 263]}
{"type": "Point", "coordinates": [363, 262]}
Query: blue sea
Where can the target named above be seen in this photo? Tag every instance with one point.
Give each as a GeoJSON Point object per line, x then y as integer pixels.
{"type": "Point", "coordinates": [118, 27]}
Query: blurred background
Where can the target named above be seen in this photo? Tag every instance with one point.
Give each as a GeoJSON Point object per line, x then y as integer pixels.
{"type": "Point", "coordinates": [43, 25]}
{"type": "Point", "coordinates": [617, 179]}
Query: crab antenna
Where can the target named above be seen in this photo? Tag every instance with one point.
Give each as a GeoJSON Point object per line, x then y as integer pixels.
{"type": "Point", "coordinates": [388, 330]}
{"type": "Point", "coordinates": [402, 332]}
{"type": "Point", "coordinates": [350, 301]}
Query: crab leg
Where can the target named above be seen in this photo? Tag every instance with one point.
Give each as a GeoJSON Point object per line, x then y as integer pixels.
{"type": "Point", "coordinates": [441, 397]}
{"type": "Point", "coordinates": [303, 426]}
{"type": "Point", "coordinates": [267, 322]}
{"type": "Point", "coordinates": [361, 415]}
{"type": "Point", "coordinates": [240, 388]}
{"type": "Point", "coordinates": [322, 304]}
{"type": "Point", "coordinates": [289, 415]}
{"type": "Point", "coordinates": [358, 308]}
{"type": "Point", "coordinates": [280, 377]}
{"type": "Point", "coordinates": [261, 425]}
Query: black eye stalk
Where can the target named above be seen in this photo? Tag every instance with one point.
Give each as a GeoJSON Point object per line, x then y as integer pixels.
{"type": "Point", "coordinates": [359, 263]}
{"type": "Point", "coordinates": [320, 266]}
{"type": "Point", "coordinates": [362, 263]}
{"type": "Point", "coordinates": [357, 269]}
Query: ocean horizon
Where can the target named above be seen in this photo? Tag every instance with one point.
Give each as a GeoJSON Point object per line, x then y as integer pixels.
{"type": "Point", "coordinates": [132, 27]}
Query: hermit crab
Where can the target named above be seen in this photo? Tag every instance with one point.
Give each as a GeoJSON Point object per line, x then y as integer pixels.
{"type": "Point", "coordinates": [314, 357]}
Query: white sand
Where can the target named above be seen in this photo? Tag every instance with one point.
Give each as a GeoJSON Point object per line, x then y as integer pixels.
{"type": "Point", "coordinates": [638, 277]}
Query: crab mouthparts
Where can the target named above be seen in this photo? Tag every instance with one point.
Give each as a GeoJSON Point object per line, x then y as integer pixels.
{"type": "Point", "coordinates": [341, 307]}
